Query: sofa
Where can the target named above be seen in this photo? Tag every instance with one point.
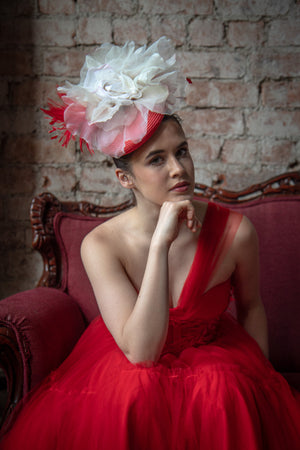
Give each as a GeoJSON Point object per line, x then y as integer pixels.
{"type": "Point", "coordinates": [39, 327]}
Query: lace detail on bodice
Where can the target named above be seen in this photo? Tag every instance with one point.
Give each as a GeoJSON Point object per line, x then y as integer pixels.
{"type": "Point", "coordinates": [191, 333]}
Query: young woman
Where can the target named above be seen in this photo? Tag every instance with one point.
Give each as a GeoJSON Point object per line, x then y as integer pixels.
{"type": "Point", "coordinates": [165, 366]}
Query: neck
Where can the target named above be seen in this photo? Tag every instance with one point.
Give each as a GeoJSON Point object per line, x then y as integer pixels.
{"type": "Point", "coordinates": [146, 214]}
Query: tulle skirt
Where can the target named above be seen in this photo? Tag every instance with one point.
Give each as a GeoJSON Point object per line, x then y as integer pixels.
{"type": "Point", "coordinates": [224, 395]}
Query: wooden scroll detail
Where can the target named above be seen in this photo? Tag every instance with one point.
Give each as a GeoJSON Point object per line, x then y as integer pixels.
{"type": "Point", "coordinates": [42, 212]}
{"type": "Point", "coordinates": [286, 184]}
{"type": "Point", "coordinates": [46, 206]}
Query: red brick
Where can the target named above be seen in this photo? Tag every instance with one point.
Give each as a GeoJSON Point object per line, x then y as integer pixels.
{"type": "Point", "coordinates": [32, 92]}
{"type": "Point", "coordinates": [55, 179]}
{"type": "Point", "coordinates": [16, 62]}
{"type": "Point", "coordinates": [90, 181]}
{"type": "Point", "coordinates": [63, 63]}
{"type": "Point", "coordinates": [281, 93]}
{"type": "Point", "coordinates": [24, 265]}
{"type": "Point", "coordinates": [94, 30]}
{"type": "Point", "coordinates": [214, 122]}
{"type": "Point", "coordinates": [277, 152]}
{"type": "Point", "coordinates": [248, 8]}
{"type": "Point", "coordinates": [29, 149]}
{"type": "Point", "coordinates": [18, 208]}
{"type": "Point", "coordinates": [16, 31]}
{"type": "Point", "coordinates": [57, 7]}
{"type": "Point", "coordinates": [107, 198]}
{"type": "Point", "coordinates": [2, 208]}
{"type": "Point", "coordinates": [239, 152]}
{"type": "Point", "coordinates": [11, 237]}
{"type": "Point", "coordinates": [274, 123]}
{"type": "Point", "coordinates": [16, 8]}
{"type": "Point", "coordinates": [4, 93]}
{"type": "Point", "coordinates": [19, 121]}
{"type": "Point", "coordinates": [177, 6]}
{"type": "Point", "coordinates": [58, 32]}
{"type": "Point", "coordinates": [207, 33]}
{"type": "Point", "coordinates": [12, 286]}
{"type": "Point", "coordinates": [172, 27]}
{"type": "Point", "coordinates": [269, 64]}
{"type": "Point", "coordinates": [130, 29]}
{"type": "Point", "coordinates": [28, 236]}
{"type": "Point", "coordinates": [204, 150]}
{"type": "Point", "coordinates": [237, 179]}
{"type": "Point", "coordinates": [112, 6]}
{"type": "Point", "coordinates": [284, 32]}
{"type": "Point", "coordinates": [245, 34]}
{"type": "Point", "coordinates": [97, 157]}
{"type": "Point", "coordinates": [17, 180]}
{"type": "Point", "coordinates": [222, 94]}
{"type": "Point", "coordinates": [212, 64]}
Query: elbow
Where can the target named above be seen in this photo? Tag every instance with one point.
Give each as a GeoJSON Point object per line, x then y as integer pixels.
{"type": "Point", "coordinates": [141, 361]}
{"type": "Point", "coordinates": [144, 351]}
{"type": "Point", "coordinates": [143, 358]}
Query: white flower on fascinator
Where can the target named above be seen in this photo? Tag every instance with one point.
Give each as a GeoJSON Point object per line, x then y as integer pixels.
{"type": "Point", "coordinates": [117, 89]}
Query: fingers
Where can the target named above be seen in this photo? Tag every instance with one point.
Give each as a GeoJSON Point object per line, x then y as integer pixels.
{"type": "Point", "coordinates": [187, 212]}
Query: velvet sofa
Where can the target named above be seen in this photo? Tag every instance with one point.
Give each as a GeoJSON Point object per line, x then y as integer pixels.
{"type": "Point", "coordinates": [39, 327]}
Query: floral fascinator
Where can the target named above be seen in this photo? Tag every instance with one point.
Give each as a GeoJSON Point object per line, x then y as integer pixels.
{"type": "Point", "coordinates": [121, 98]}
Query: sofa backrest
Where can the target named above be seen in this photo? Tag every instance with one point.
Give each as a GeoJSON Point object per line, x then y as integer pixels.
{"type": "Point", "coordinates": [70, 229]}
{"type": "Point", "coordinates": [276, 220]}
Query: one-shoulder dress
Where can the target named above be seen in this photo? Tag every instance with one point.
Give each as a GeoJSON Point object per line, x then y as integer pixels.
{"type": "Point", "coordinates": [211, 389]}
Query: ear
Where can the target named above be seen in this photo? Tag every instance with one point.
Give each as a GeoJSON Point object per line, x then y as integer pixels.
{"type": "Point", "coordinates": [125, 179]}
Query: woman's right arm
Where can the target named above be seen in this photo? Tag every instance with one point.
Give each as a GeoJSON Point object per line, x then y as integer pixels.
{"type": "Point", "coordinates": [138, 322]}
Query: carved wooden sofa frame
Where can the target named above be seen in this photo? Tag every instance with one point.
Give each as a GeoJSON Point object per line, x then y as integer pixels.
{"type": "Point", "coordinates": [42, 213]}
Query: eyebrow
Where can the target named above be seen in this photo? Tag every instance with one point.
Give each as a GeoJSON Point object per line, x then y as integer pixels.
{"type": "Point", "coordinates": [159, 151]}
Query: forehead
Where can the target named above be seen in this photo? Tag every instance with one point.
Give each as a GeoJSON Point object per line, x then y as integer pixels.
{"type": "Point", "coordinates": [167, 137]}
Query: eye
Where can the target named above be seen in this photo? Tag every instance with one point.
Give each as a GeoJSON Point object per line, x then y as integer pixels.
{"type": "Point", "coordinates": [182, 152]}
{"type": "Point", "coordinates": [156, 161]}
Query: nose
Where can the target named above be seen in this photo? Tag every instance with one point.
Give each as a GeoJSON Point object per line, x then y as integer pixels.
{"type": "Point", "coordinates": [175, 167]}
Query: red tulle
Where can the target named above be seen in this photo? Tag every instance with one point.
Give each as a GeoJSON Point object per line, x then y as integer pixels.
{"type": "Point", "coordinates": [211, 389]}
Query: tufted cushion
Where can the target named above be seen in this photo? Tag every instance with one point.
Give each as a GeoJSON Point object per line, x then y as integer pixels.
{"type": "Point", "coordinates": [70, 230]}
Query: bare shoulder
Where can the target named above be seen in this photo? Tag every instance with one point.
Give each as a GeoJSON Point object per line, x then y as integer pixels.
{"type": "Point", "coordinates": [246, 232]}
{"type": "Point", "coordinates": [246, 239]}
{"type": "Point", "coordinates": [106, 238]}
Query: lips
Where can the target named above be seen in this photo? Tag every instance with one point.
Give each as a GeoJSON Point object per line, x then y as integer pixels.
{"type": "Point", "coordinates": [181, 186]}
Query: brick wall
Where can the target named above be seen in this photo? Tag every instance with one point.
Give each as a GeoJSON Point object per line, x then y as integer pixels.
{"type": "Point", "coordinates": [242, 116]}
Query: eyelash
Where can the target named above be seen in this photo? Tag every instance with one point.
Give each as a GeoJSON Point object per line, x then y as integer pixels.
{"type": "Point", "coordinates": [181, 153]}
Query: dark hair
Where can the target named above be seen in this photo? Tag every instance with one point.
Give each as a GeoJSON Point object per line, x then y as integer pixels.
{"type": "Point", "coordinates": [123, 162]}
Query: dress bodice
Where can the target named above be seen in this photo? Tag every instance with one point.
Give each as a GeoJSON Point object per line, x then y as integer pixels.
{"type": "Point", "coordinates": [194, 321]}
{"type": "Point", "coordinates": [197, 324]}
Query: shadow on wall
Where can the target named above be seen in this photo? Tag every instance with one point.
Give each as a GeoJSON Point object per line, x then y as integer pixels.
{"type": "Point", "coordinates": [19, 127]}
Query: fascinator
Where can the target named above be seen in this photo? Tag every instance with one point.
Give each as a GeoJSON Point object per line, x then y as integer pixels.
{"type": "Point", "coordinates": [121, 98]}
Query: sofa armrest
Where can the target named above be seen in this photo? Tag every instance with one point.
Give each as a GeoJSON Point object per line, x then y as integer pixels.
{"type": "Point", "coordinates": [38, 329]}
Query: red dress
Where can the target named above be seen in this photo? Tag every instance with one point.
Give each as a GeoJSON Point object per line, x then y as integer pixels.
{"type": "Point", "coordinates": [211, 389]}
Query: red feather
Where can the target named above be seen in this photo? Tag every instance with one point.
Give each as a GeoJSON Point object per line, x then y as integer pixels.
{"type": "Point", "coordinates": [56, 112]}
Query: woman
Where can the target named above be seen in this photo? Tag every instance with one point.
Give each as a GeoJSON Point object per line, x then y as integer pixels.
{"type": "Point", "coordinates": [164, 366]}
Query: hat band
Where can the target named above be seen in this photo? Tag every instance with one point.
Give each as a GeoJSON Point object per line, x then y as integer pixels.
{"type": "Point", "coordinates": [153, 122]}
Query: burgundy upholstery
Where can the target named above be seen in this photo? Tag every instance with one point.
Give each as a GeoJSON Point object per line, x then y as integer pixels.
{"type": "Point", "coordinates": [70, 230]}
{"type": "Point", "coordinates": [46, 322]}
{"type": "Point", "coordinates": [38, 328]}
{"type": "Point", "coordinates": [280, 270]}
{"type": "Point", "coordinates": [277, 224]}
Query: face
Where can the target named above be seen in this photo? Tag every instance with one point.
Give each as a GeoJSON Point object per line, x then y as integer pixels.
{"type": "Point", "coordinates": [162, 169]}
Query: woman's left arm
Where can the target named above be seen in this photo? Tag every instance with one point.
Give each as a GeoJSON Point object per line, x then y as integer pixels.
{"type": "Point", "coordinates": [250, 310]}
